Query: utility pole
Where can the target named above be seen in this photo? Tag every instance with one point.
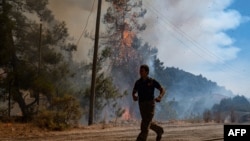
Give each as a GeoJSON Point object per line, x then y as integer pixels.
{"type": "Point", "coordinates": [93, 81]}
{"type": "Point", "coordinates": [40, 58]}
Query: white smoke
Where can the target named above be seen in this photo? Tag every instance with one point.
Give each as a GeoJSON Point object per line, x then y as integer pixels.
{"type": "Point", "coordinates": [191, 35]}
{"type": "Point", "coordinates": [78, 14]}
{"type": "Point", "coordinates": [192, 32]}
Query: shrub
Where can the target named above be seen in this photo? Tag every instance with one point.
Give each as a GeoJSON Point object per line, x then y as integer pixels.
{"type": "Point", "coordinates": [63, 113]}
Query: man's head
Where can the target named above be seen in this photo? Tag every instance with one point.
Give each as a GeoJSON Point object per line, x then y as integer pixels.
{"type": "Point", "coordinates": [144, 70]}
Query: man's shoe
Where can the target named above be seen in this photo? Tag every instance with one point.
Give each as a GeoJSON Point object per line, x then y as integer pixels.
{"type": "Point", "coordinates": [158, 137]}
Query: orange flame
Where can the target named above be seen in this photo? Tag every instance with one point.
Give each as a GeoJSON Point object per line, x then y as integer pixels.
{"type": "Point", "coordinates": [126, 115]}
{"type": "Point", "coordinates": [128, 38]}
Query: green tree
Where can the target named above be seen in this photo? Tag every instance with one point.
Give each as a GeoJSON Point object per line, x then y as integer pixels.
{"type": "Point", "coordinates": [41, 72]}
{"type": "Point", "coordinates": [107, 94]}
{"type": "Point", "coordinates": [230, 107]}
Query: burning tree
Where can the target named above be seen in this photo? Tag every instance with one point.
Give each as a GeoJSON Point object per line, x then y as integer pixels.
{"type": "Point", "coordinates": [124, 23]}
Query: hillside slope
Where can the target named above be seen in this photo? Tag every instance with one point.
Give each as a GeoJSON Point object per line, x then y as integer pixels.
{"type": "Point", "coordinates": [190, 94]}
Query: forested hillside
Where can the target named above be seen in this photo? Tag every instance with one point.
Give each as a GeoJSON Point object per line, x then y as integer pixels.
{"type": "Point", "coordinates": [189, 94]}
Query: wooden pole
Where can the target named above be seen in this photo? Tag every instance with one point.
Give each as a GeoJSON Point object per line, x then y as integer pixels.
{"type": "Point", "coordinates": [93, 81]}
{"type": "Point", "coordinates": [40, 60]}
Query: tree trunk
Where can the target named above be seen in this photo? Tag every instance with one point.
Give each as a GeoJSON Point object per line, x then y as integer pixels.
{"type": "Point", "coordinates": [8, 43]}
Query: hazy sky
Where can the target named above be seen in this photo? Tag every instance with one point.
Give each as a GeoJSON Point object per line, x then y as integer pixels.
{"type": "Point", "coordinates": [208, 37]}
{"type": "Point", "coordinates": [204, 37]}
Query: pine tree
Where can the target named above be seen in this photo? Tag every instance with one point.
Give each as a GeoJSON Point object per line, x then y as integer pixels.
{"type": "Point", "coordinates": [33, 61]}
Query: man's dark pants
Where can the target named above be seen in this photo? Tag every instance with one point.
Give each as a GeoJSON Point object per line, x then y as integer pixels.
{"type": "Point", "coordinates": [147, 109]}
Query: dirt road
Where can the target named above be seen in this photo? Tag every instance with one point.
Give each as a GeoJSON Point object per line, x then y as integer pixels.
{"type": "Point", "coordinates": [173, 132]}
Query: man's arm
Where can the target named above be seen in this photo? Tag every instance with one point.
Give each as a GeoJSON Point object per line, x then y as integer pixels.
{"type": "Point", "coordinates": [162, 92]}
{"type": "Point", "coordinates": [135, 97]}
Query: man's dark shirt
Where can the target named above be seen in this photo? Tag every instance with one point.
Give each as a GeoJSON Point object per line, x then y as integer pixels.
{"type": "Point", "coordinates": [145, 88]}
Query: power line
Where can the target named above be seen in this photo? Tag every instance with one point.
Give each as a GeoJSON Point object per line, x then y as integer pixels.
{"type": "Point", "coordinates": [186, 36]}
{"type": "Point", "coordinates": [86, 23]}
{"type": "Point", "coordinates": [181, 32]}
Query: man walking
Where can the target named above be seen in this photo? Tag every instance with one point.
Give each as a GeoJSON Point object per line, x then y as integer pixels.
{"type": "Point", "coordinates": [143, 92]}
